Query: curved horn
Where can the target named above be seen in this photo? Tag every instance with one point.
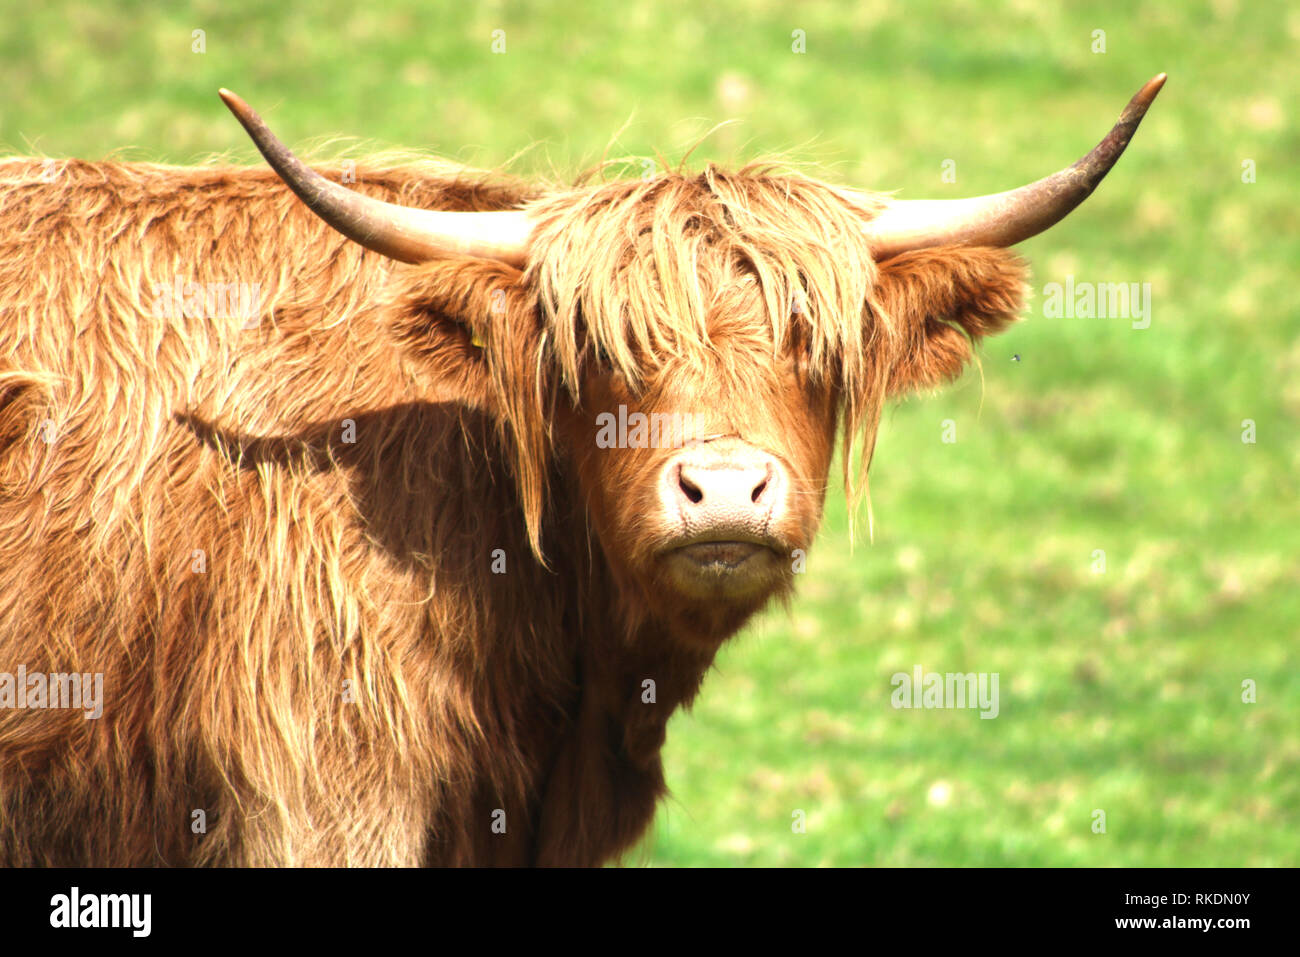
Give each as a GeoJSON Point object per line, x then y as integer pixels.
{"type": "Point", "coordinates": [399, 232]}
{"type": "Point", "coordinates": [1004, 219]}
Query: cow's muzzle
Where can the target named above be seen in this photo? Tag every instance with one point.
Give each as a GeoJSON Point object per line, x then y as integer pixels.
{"type": "Point", "coordinates": [725, 499]}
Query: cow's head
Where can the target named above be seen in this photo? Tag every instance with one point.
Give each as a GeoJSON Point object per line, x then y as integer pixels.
{"type": "Point", "coordinates": [688, 347]}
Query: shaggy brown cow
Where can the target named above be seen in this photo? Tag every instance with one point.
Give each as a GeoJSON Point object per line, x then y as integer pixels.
{"type": "Point", "coordinates": [318, 518]}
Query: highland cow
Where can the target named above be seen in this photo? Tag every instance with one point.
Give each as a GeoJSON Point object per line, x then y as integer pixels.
{"type": "Point", "coordinates": [311, 487]}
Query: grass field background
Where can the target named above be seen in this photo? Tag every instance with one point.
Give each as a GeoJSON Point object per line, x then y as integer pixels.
{"type": "Point", "coordinates": [1121, 690]}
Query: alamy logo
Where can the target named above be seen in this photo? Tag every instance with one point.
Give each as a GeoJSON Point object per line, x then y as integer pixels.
{"type": "Point", "coordinates": [185, 299]}
{"type": "Point", "coordinates": [658, 430]}
{"type": "Point", "coordinates": [36, 689]}
{"type": "Point", "coordinates": [76, 909]}
{"type": "Point", "coordinates": [950, 690]}
{"type": "Point", "coordinates": [1098, 300]}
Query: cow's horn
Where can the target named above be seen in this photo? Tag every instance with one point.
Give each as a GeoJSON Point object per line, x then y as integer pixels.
{"type": "Point", "coordinates": [1004, 219]}
{"type": "Point", "coordinates": [400, 232]}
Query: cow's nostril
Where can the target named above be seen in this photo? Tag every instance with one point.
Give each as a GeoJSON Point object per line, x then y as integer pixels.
{"type": "Point", "coordinates": [759, 489]}
{"type": "Point", "coordinates": [689, 488]}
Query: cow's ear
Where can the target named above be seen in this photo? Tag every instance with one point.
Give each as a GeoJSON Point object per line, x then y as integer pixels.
{"type": "Point", "coordinates": [473, 328]}
{"type": "Point", "coordinates": [941, 301]}
{"type": "Point", "coordinates": [464, 320]}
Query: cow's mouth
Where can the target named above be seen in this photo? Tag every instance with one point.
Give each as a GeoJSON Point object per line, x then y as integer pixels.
{"type": "Point", "coordinates": [728, 556]}
{"type": "Point", "coordinates": [724, 568]}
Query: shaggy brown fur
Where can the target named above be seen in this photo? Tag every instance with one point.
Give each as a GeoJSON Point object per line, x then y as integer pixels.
{"type": "Point", "coordinates": [276, 540]}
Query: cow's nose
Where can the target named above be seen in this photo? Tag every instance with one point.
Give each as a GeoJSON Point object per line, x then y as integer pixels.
{"type": "Point", "coordinates": [733, 488]}
{"type": "Point", "coordinates": [723, 486]}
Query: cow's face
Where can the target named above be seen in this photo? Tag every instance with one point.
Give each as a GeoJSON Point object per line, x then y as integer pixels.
{"type": "Point", "coordinates": [692, 395]}
{"type": "Point", "coordinates": [705, 477]}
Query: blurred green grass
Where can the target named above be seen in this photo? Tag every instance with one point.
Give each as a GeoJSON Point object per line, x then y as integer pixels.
{"type": "Point", "coordinates": [1121, 691]}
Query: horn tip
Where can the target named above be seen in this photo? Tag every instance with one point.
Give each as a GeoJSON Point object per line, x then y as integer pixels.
{"type": "Point", "coordinates": [234, 102]}
{"type": "Point", "coordinates": [1152, 87]}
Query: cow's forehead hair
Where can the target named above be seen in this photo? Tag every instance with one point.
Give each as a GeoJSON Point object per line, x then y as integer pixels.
{"type": "Point", "coordinates": [635, 268]}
